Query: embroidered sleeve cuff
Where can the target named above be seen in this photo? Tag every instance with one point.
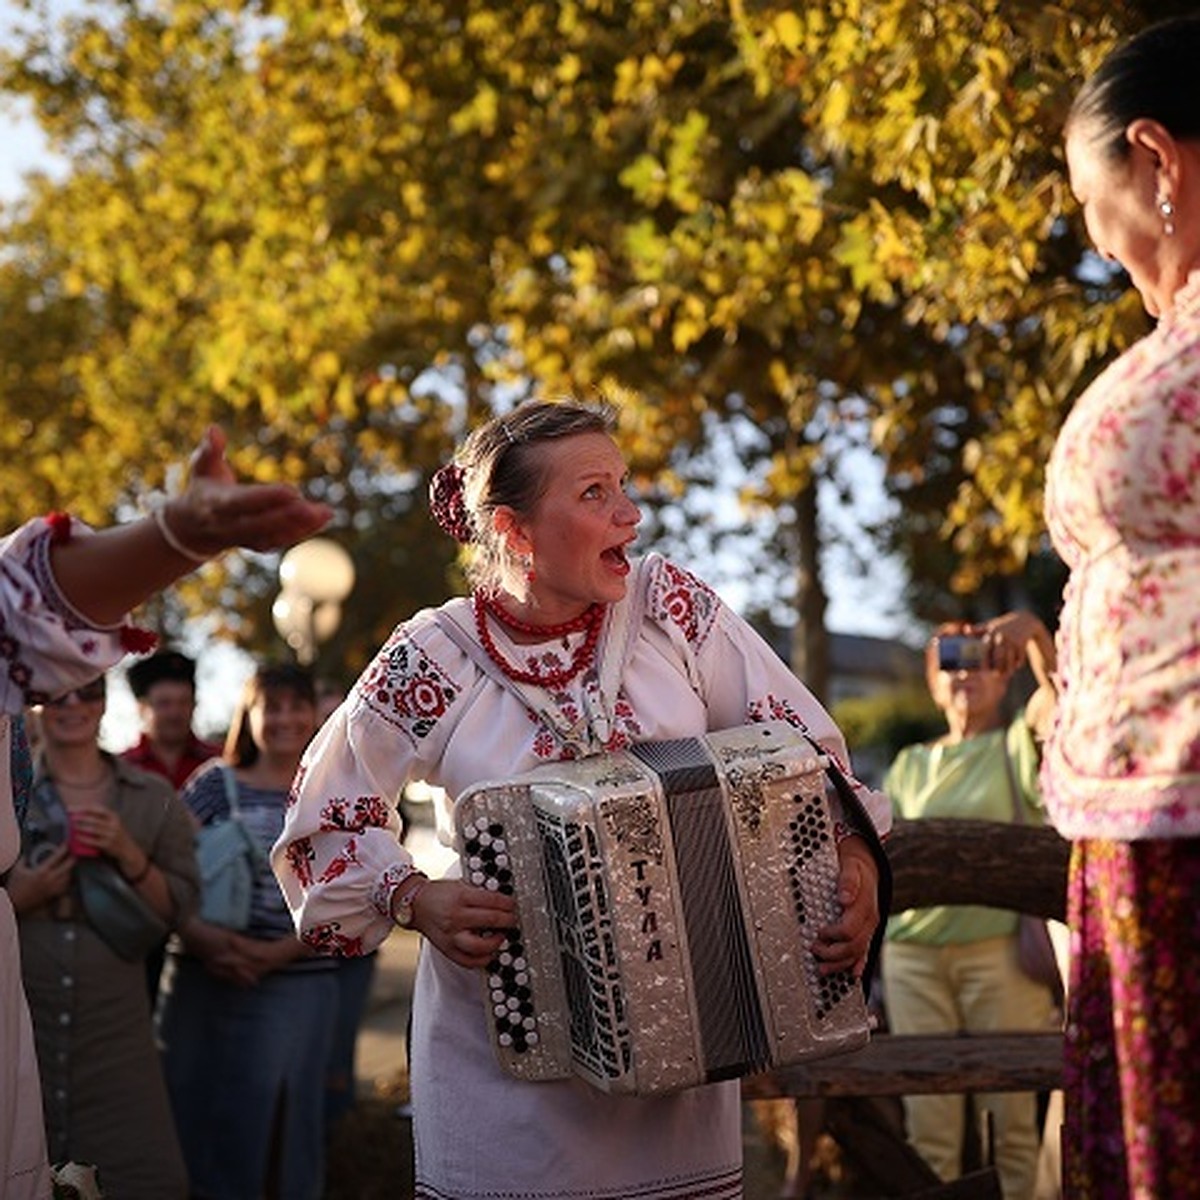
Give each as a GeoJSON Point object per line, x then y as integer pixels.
{"type": "Point", "coordinates": [385, 888]}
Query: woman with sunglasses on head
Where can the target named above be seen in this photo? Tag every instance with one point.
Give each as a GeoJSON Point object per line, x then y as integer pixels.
{"type": "Point", "coordinates": [102, 1086]}
{"type": "Point", "coordinates": [65, 591]}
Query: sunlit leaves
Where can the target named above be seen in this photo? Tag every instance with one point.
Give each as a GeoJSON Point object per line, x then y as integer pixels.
{"type": "Point", "coordinates": [344, 229]}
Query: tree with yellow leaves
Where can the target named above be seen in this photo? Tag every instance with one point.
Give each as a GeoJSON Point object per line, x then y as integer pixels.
{"type": "Point", "coordinates": [345, 231]}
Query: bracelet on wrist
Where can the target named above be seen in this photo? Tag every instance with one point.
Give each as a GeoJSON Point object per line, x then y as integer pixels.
{"type": "Point", "coordinates": [406, 896]}
{"type": "Point", "coordinates": [168, 535]}
{"type": "Point", "coordinates": [134, 880]}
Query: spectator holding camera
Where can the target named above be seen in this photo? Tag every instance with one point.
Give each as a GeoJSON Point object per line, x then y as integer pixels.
{"type": "Point", "coordinates": [952, 968]}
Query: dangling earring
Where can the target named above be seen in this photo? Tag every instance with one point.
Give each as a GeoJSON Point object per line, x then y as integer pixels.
{"type": "Point", "coordinates": [1168, 214]}
{"type": "Point", "coordinates": [527, 567]}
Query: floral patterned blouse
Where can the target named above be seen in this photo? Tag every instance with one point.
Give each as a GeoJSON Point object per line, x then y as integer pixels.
{"type": "Point", "coordinates": [426, 710]}
{"type": "Point", "coordinates": [1123, 508]}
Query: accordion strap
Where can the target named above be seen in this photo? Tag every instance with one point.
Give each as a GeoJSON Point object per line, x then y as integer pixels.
{"type": "Point", "coordinates": [592, 734]}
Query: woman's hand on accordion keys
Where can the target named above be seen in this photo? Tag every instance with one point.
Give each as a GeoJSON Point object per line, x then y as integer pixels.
{"type": "Point", "coordinates": [843, 945]}
{"type": "Point", "coordinates": [466, 923]}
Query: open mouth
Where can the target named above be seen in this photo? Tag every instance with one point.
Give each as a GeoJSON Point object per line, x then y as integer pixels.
{"type": "Point", "coordinates": [616, 557]}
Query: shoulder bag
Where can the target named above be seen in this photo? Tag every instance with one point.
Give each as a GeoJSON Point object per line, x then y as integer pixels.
{"type": "Point", "coordinates": [116, 911]}
{"type": "Point", "coordinates": [228, 859]}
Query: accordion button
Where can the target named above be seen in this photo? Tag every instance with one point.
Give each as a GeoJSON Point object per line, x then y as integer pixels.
{"type": "Point", "coordinates": [499, 1010]}
{"type": "Point", "coordinates": [505, 1039]}
{"type": "Point", "coordinates": [485, 838]}
{"type": "Point", "coordinates": [499, 845]}
{"type": "Point", "coordinates": [521, 979]}
{"type": "Point", "coordinates": [519, 964]}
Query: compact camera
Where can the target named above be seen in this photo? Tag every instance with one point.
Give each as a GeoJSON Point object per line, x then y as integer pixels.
{"type": "Point", "coordinates": [961, 652]}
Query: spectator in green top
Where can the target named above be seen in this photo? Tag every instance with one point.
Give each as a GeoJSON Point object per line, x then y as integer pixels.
{"type": "Point", "coordinates": [953, 968]}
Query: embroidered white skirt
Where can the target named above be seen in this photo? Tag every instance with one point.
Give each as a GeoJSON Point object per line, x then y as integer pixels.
{"type": "Point", "coordinates": [481, 1135]}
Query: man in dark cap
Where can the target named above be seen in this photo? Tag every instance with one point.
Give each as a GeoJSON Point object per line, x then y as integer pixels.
{"type": "Point", "coordinates": [164, 685]}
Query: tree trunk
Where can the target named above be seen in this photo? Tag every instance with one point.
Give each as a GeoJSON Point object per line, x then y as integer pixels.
{"type": "Point", "coordinates": [810, 639]}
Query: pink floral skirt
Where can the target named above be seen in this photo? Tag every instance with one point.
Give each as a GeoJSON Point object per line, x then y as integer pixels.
{"type": "Point", "coordinates": [1132, 1065]}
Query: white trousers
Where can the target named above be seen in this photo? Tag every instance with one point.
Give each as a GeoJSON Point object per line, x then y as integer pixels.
{"type": "Point", "coordinates": [977, 987]}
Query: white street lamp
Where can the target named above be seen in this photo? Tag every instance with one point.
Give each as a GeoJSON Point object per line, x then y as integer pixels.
{"type": "Point", "coordinates": [317, 575]}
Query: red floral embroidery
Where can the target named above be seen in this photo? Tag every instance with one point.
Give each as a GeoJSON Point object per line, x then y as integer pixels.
{"type": "Point", "coordinates": [326, 939]}
{"type": "Point", "coordinates": [406, 687]}
{"type": "Point", "coordinates": [340, 863]}
{"type": "Point", "coordinates": [354, 817]}
{"type": "Point", "coordinates": [679, 597]}
{"type": "Point", "coordinates": [545, 744]}
{"type": "Point", "coordinates": [422, 697]}
{"type": "Point", "coordinates": [300, 857]}
{"type": "Point", "coordinates": [293, 796]}
{"type": "Point", "coordinates": [774, 708]}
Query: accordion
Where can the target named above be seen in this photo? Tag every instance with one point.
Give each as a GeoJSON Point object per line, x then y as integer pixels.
{"type": "Point", "coordinates": [667, 899]}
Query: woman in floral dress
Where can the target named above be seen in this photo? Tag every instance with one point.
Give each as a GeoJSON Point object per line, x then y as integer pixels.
{"type": "Point", "coordinates": [1121, 775]}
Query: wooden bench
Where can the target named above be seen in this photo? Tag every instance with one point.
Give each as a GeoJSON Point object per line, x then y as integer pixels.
{"type": "Point", "coordinates": [935, 862]}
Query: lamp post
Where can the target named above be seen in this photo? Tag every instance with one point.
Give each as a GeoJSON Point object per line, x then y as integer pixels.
{"type": "Point", "coordinates": [315, 577]}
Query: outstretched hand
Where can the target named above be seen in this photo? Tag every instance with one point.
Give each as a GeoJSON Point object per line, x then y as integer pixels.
{"type": "Point", "coordinates": [215, 512]}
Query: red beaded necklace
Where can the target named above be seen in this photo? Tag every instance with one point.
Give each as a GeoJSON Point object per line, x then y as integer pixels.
{"type": "Point", "coordinates": [591, 620]}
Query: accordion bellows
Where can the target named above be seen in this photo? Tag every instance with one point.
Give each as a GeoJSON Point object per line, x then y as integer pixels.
{"type": "Point", "coordinates": [667, 898]}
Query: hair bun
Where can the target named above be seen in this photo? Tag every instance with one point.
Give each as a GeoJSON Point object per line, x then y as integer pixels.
{"type": "Point", "coordinates": [448, 504]}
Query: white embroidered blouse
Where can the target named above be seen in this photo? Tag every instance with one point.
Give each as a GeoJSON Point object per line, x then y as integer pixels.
{"type": "Point", "coordinates": [426, 710]}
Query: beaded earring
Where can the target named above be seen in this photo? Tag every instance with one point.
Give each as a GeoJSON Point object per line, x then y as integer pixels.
{"type": "Point", "coordinates": [1168, 215]}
